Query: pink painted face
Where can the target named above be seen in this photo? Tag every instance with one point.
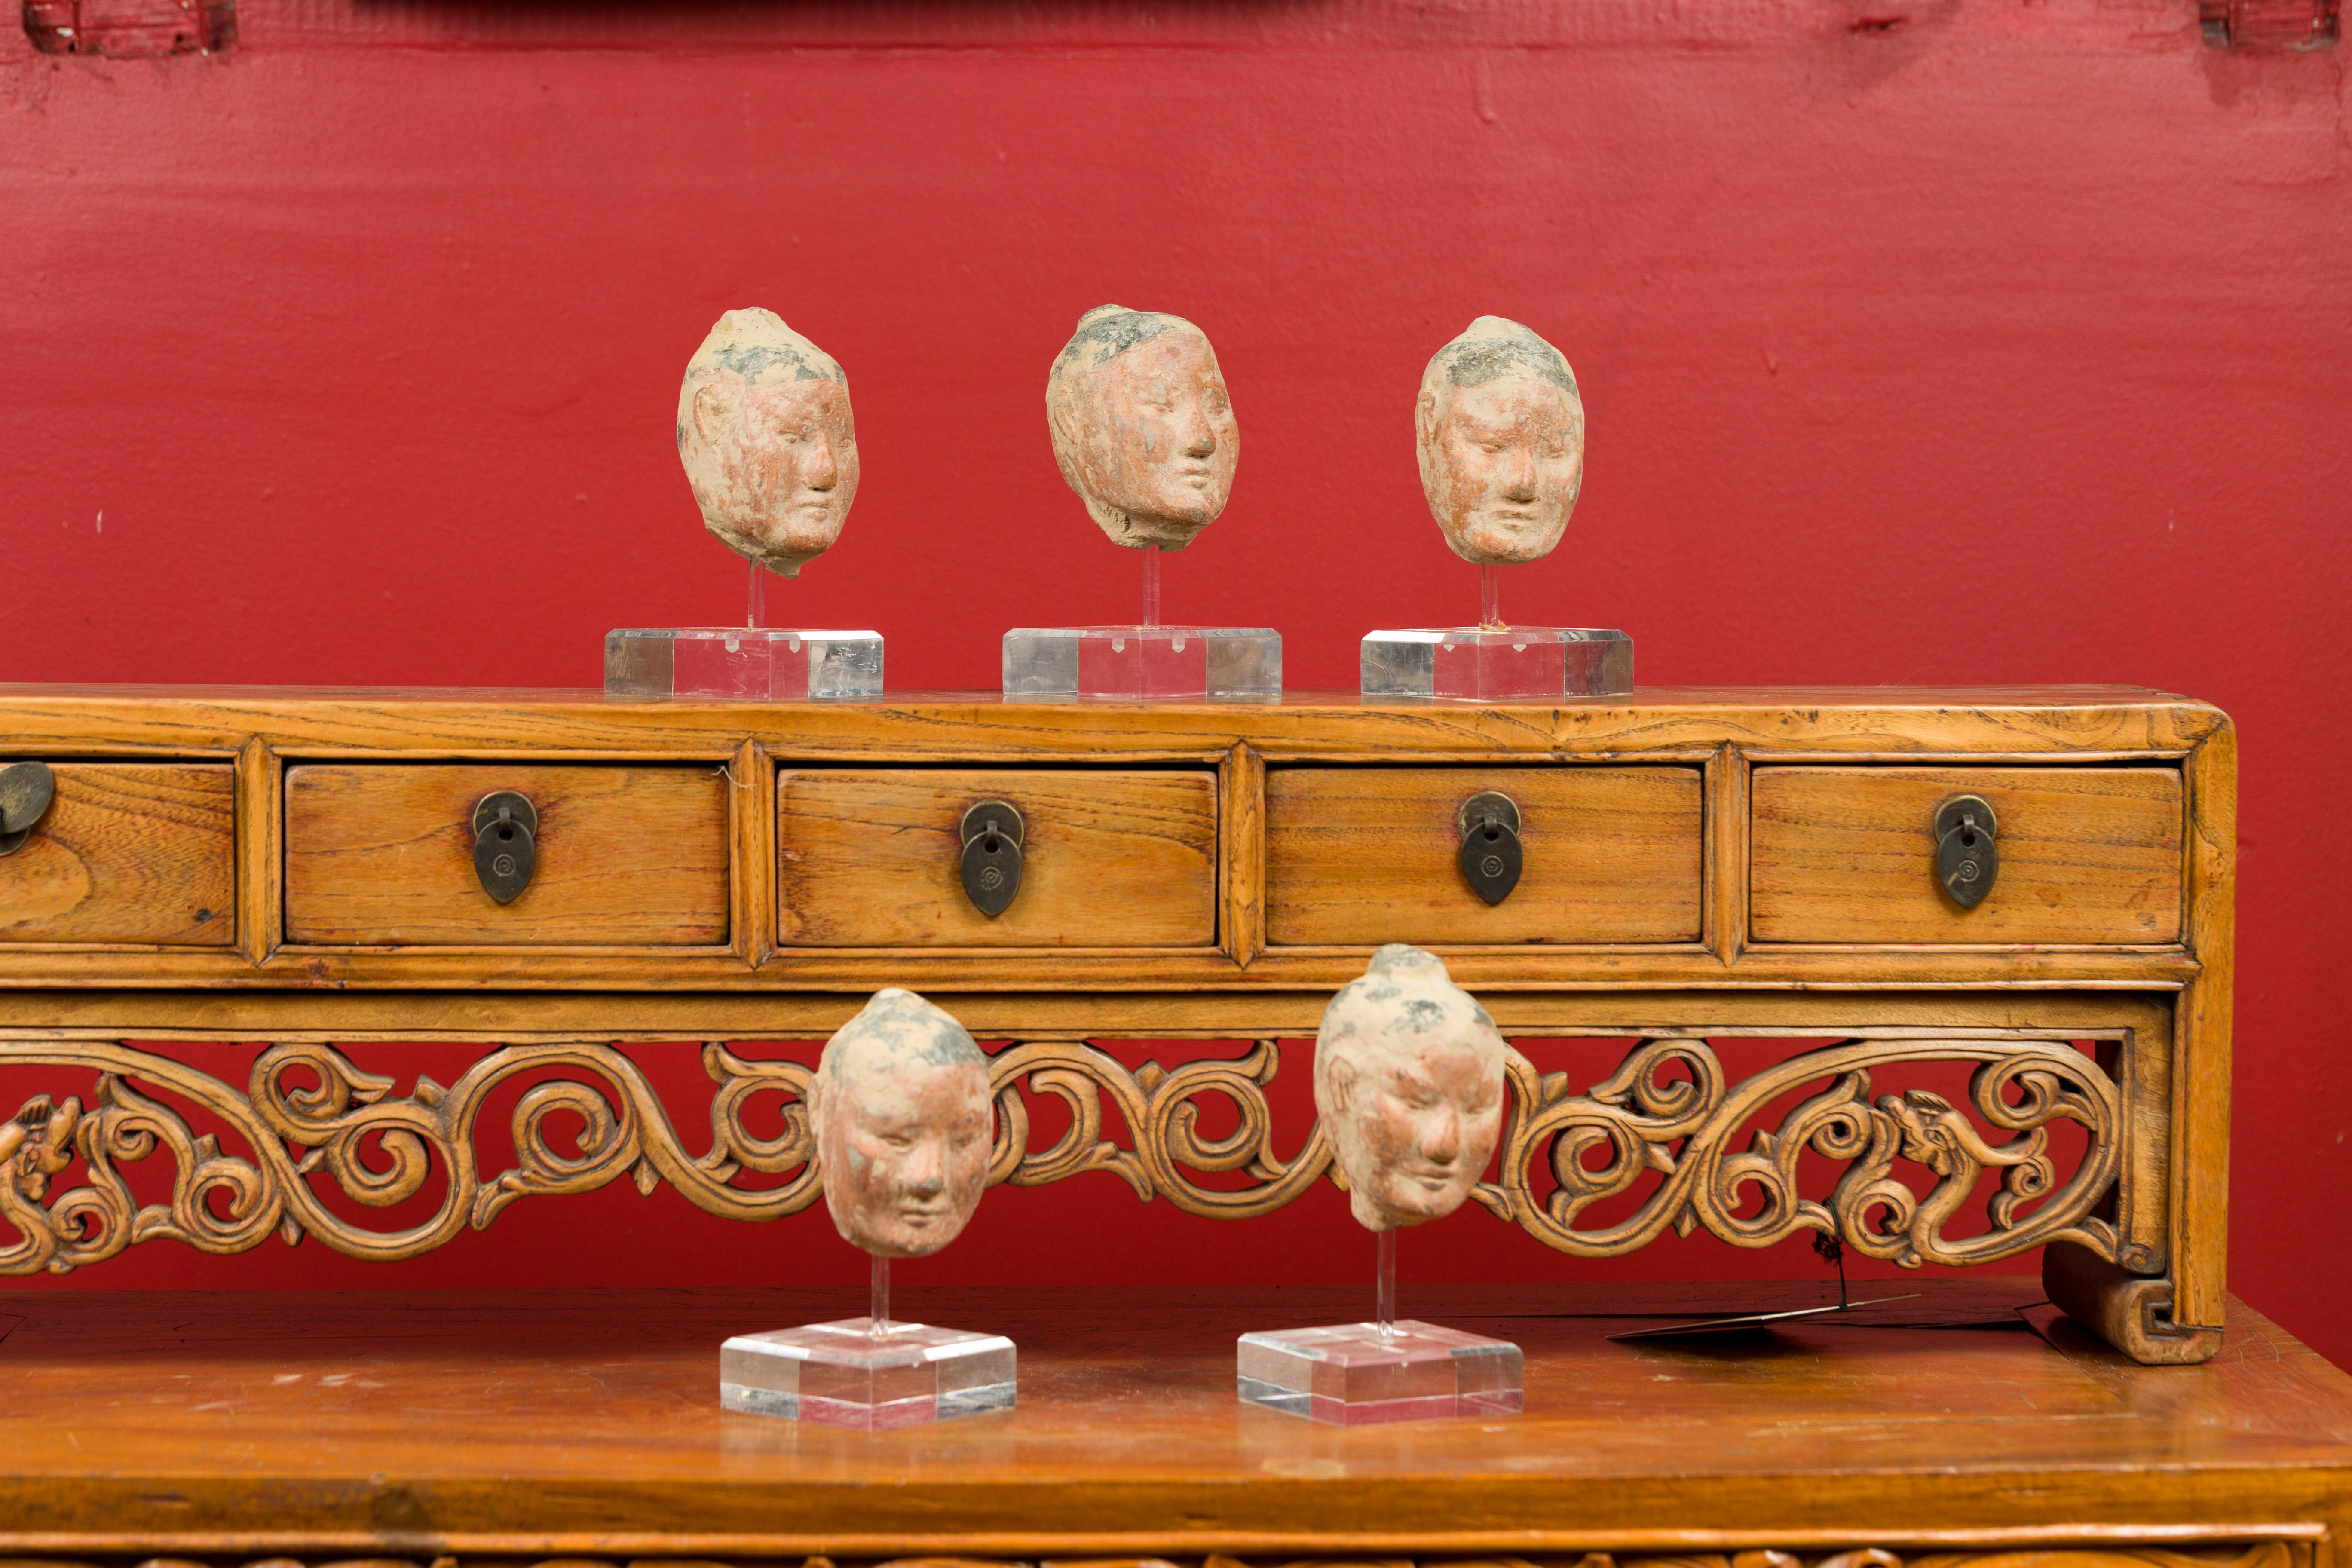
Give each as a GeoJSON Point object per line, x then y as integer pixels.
{"type": "Point", "coordinates": [1409, 1079]}
{"type": "Point", "coordinates": [1147, 438]}
{"type": "Point", "coordinates": [903, 1127]}
{"type": "Point", "coordinates": [1502, 464]}
{"type": "Point", "coordinates": [766, 440]}
{"type": "Point", "coordinates": [780, 466]}
{"type": "Point", "coordinates": [1417, 1133]}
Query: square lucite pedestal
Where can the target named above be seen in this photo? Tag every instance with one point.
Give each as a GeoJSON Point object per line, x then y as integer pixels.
{"type": "Point", "coordinates": [840, 1374]}
{"type": "Point", "coordinates": [1144, 664]}
{"type": "Point", "coordinates": [766, 664]}
{"type": "Point", "coordinates": [1348, 1376]}
{"type": "Point", "coordinates": [1507, 664]}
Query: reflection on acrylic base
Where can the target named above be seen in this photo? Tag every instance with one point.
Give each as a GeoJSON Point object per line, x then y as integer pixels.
{"type": "Point", "coordinates": [762, 664]}
{"type": "Point", "coordinates": [1351, 1375]}
{"type": "Point", "coordinates": [1144, 664]}
{"type": "Point", "coordinates": [843, 1375]}
{"type": "Point", "coordinates": [1500, 664]}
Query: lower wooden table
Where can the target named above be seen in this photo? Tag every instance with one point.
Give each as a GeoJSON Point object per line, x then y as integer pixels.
{"type": "Point", "coordinates": [1968, 1425]}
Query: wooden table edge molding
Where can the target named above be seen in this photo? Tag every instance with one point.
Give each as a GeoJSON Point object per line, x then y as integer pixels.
{"type": "Point", "coordinates": [2100, 1545]}
{"type": "Point", "coordinates": [1992, 722]}
{"type": "Point", "coordinates": [2104, 972]}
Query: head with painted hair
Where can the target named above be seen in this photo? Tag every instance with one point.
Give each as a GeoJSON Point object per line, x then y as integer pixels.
{"type": "Point", "coordinates": [1500, 430]}
{"type": "Point", "coordinates": [1142, 427]}
{"type": "Point", "coordinates": [1409, 1081]}
{"type": "Point", "coordinates": [764, 432]}
{"type": "Point", "coordinates": [901, 1111]}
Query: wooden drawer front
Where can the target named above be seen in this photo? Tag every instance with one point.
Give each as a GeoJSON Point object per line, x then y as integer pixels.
{"type": "Point", "coordinates": [871, 858]}
{"type": "Point", "coordinates": [1356, 856]}
{"type": "Point", "coordinates": [2086, 854]}
{"type": "Point", "coordinates": [628, 857]}
{"type": "Point", "coordinates": [132, 852]}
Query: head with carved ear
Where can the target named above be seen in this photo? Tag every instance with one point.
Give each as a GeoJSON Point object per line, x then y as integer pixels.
{"type": "Point", "coordinates": [1409, 1079]}
{"type": "Point", "coordinates": [1142, 427]}
{"type": "Point", "coordinates": [1499, 427]}
{"type": "Point", "coordinates": [764, 432]}
{"type": "Point", "coordinates": [901, 1111]}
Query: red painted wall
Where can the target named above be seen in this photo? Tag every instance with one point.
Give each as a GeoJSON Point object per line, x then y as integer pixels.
{"type": "Point", "coordinates": [1967, 341]}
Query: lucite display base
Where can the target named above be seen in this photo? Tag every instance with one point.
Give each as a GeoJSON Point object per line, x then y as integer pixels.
{"type": "Point", "coordinates": [1474, 664]}
{"type": "Point", "coordinates": [1169, 664]}
{"type": "Point", "coordinates": [1348, 1375]}
{"type": "Point", "coordinates": [840, 1374]}
{"type": "Point", "coordinates": [764, 663]}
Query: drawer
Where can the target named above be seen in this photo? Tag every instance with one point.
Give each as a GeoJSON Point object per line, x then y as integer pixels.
{"type": "Point", "coordinates": [382, 854]}
{"type": "Point", "coordinates": [872, 858]}
{"type": "Point", "coordinates": [2086, 855]}
{"type": "Point", "coordinates": [130, 852]}
{"type": "Point", "coordinates": [1356, 856]}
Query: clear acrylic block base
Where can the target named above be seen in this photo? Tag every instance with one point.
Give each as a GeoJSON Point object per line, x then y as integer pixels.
{"type": "Point", "coordinates": [841, 1375]}
{"type": "Point", "coordinates": [1513, 663]}
{"type": "Point", "coordinates": [1348, 1375]}
{"type": "Point", "coordinates": [764, 663]}
{"type": "Point", "coordinates": [1143, 664]}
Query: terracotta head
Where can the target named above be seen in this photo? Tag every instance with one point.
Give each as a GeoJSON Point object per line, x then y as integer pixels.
{"type": "Point", "coordinates": [1142, 427]}
{"type": "Point", "coordinates": [900, 1105]}
{"type": "Point", "coordinates": [1500, 430]}
{"type": "Point", "coordinates": [764, 431]}
{"type": "Point", "coordinates": [1409, 1079]}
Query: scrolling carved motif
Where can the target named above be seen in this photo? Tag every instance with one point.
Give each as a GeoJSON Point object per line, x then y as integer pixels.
{"type": "Point", "coordinates": [1668, 1108]}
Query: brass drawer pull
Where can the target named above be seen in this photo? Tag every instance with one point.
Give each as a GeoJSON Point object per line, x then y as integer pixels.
{"type": "Point", "coordinates": [1966, 860]}
{"type": "Point", "coordinates": [1490, 858]}
{"type": "Point", "coordinates": [992, 832]}
{"type": "Point", "coordinates": [505, 843]}
{"type": "Point", "coordinates": [26, 791]}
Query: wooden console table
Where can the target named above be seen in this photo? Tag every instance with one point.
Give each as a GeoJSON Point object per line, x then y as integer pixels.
{"type": "Point", "coordinates": [310, 869]}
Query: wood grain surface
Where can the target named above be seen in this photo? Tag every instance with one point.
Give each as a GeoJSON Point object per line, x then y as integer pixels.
{"type": "Point", "coordinates": [2201, 1084]}
{"type": "Point", "coordinates": [793, 1013]}
{"type": "Point", "coordinates": [948, 726]}
{"type": "Point", "coordinates": [128, 852]}
{"type": "Point", "coordinates": [1366, 855]}
{"type": "Point", "coordinates": [2088, 855]}
{"type": "Point", "coordinates": [271, 729]}
{"type": "Point", "coordinates": [587, 1422]}
{"type": "Point", "coordinates": [382, 854]}
{"type": "Point", "coordinates": [871, 858]}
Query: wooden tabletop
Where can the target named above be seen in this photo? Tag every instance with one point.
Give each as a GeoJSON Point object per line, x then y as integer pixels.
{"type": "Point", "coordinates": [587, 1421]}
{"type": "Point", "coordinates": [2076, 696]}
{"type": "Point", "coordinates": [2025, 719]}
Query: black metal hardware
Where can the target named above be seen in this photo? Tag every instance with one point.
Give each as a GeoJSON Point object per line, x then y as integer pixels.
{"type": "Point", "coordinates": [1491, 857]}
{"type": "Point", "coordinates": [26, 791]}
{"type": "Point", "coordinates": [992, 832]}
{"type": "Point", "coordinates": [506, 844]}
{"type": "Point", "coordinates": [1966, 860]}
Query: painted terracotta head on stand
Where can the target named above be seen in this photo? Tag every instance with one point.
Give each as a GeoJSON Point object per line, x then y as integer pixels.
{"type": "Point", "coordinates": [1142, 427]}
{"type": "Point", "coordinates": [1500, 431]}
{"type": "Point", "coordinates": [765, 434]}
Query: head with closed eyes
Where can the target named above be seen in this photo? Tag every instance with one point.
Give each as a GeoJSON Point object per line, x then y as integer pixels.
{"type": "Point", "coordinates": [901, 1111]}
{"type": "Point", "coordinates": [1409, 1081]}
{"type": "Point", "coordinates": [1142, 427]}
{"type": "Point", "coordinates": [764, 432]}
{"type": "Point", "coordinates": [1500, 431]}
